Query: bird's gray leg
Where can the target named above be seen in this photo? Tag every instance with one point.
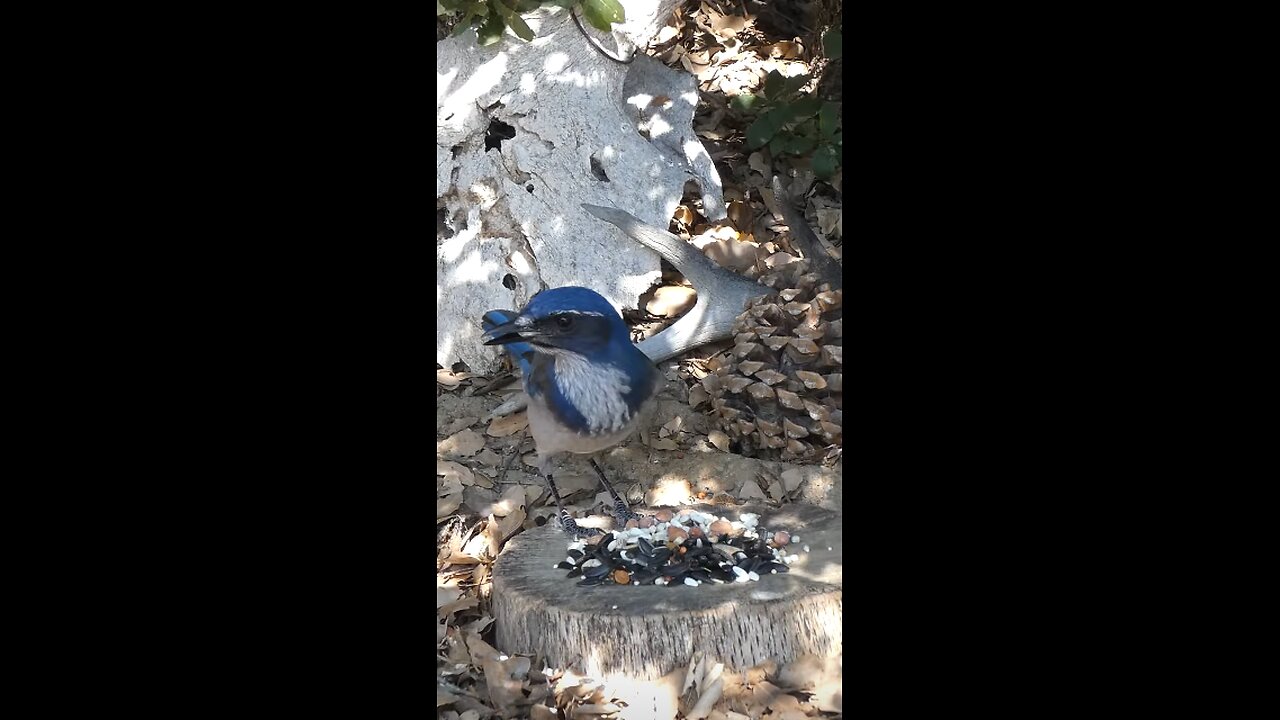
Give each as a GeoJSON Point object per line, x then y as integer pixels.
{"type": "Point", "coordinates": [565, 520]}
{"type": "Point", "coordinates": [621, 511]}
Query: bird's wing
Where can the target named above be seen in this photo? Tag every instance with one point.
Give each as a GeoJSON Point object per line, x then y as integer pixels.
{"type": "Point", "coordinates": [521, 352]}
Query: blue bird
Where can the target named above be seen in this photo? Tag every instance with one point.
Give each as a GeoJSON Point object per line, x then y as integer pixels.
{"type": "Point", "coordinates": [589, 387]}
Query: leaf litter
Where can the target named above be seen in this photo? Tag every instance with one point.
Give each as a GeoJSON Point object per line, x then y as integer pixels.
{"type": "Point", "coordinates": [731, 53]}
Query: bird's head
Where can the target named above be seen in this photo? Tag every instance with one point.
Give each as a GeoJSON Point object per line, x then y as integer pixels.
{"type": "Point", "coordinates": [572, 319]}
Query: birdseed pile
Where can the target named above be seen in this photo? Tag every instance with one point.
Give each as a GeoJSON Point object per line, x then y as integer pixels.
{"type": "Point", "coordinates": [685, 547]}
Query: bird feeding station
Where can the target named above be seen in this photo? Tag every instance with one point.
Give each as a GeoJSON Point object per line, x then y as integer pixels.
{"type": "Point", "coordinates": [645, 631]}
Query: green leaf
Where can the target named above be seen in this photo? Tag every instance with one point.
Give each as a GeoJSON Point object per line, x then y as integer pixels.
{"type": "Point", "coordinates": [831, 44]}
{"type": "Point", "coordinates": [747, 103]}
{"type": "Point", "coordinates": [520, 27]}
{"type": "Point", "coordinates": [602, 13]}
{"type": "Point", "coordinates": [566, 4]}
{"type": "Point", "coordinates": [463, 25]}
{"type": "Point", "coordinates": [491, 31]}
{"type": "Point", "coordinates": [794, 83]}
{"type": "Point", "coordinates": [773, 84]}
{"type": "Point", "coordinates": [829, 118]}
{"type": "Point", "coordinates": [825, 162]}
{"type": "Point", "coordinates": [805, 108]}
{"type": "Point", "coordinates": [791, 144]}
{"type": "Point", "coordinates": [765, 127]}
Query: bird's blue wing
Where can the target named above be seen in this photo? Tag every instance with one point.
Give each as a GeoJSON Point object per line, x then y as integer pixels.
{"type": "Point", "coordinates": [521, 352]}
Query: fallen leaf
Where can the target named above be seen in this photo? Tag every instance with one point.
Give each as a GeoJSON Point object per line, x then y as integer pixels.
{"type": "Point", "coordinates": [446, 595]}
{"type": "Point", "coordinates": [775, 490]}
{"type": "Point", "coordinates": [509, 525]}
{"type": "Point", "coordinates": [458, 424]}
{"type": "Point", "coordinates": [450, 379]}
{"type": "Point", "coordinates": [751, 490]}
{"type": "Point", "coordinates": [663, 444]}
{"type": "Point", "coordinates": [792, 478]}
{"type": "Point", "coordinates": [455, 476]}
{"type": "Point", "coordinates": [512, 499]}
{"type": "Point", "coordinates": [671, 300]}
{"type": "Point", "coordinates": [448, 505]}
{"type": "Point", "coordinates": [697, 396]}
{"type": "Point", "coordinates": [719, 439]}
{"type": "Point", "coordinates": [508, 425]}
{"type": "Point", "coordinates": [488, 457]}
{"type": "Point", "coordinates": [457, 605]}
{"type": "Point", "coordinates": [464, 443]}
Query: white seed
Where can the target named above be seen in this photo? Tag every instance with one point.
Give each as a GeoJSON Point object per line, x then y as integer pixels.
{"type": "Point", "coordinates": [806, 548]}
{"type": "Point", "coordinates": [795, 538]}
{"type": "Point", "coordinates": [739, 571]}
{"type": "Point", "coordinates": [593, 562]}
{"type": "Point", "coordinates": [569, 560]}
{"type": "Point", "coordinates": [740, 578]}
{"type": "Point", "coordinates": [773, 572]}
{"type": "Point", "coordinates": [615, 607]}
{"type": "Point", "coordinates": [691, 582]}
{"type": "Point", "coordinates": [613, 545]}
{"type": "Point", "coordinates": [828, 548]}
{"type": "Point", "coordinates": [633, 582]}
{"type": "Point", "coordinates": [753, 576]}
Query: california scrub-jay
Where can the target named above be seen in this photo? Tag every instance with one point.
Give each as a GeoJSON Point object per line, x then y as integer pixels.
{"type": "Point", "coordinates": [589, 388]}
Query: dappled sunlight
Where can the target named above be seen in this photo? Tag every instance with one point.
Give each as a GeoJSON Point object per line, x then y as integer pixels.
{"type": "Point", "coordinates": [474, 269]}
{"type": "Point", "coordinates": [443, 81]}
{"type": "Point", "coordinates": [670, 491]}
{"type": "Point", "coordinates": [555, 62]}
{"type": "Point", "coordinates": [463, 101]}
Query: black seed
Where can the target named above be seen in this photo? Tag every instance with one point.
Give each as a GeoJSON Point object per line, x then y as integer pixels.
{"type": "Point", "coordinates": [644, 577]}
{"type": "Point", "coordinates": [575, 572]}
{"type": "Point", "coordinates": [700, 574]}
{"type": "Point", "coordinates": [598, 571]}
{"type": "Point", "coordinates": [564, 565]}
{"type": "Point", "coordinates": [646, 547]}
{"type": "Point", "coordinates": [575, 554]}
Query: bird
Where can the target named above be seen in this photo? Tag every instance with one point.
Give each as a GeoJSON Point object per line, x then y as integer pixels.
{"type": "Point", "coordinates": [589, 387]}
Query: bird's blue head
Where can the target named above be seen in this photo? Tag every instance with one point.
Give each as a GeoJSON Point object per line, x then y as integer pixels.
{"type": "Point", "coordinates": [566, 318]}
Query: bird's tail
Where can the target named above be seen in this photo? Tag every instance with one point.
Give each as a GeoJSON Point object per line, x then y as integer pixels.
{"type": "Point", "coordinates": [521, 352]}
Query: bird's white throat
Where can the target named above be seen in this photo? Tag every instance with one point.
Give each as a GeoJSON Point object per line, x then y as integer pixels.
{"type": "Point", "coordinates": [597, 391]}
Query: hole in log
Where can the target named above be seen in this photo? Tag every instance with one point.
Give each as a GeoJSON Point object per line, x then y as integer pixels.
{"type": "Point", "coordinates": [509, 281]}
{"type": "Point", "coordinates": [598, 170]}
{"type": "Point", "coordinates": [496, 133]}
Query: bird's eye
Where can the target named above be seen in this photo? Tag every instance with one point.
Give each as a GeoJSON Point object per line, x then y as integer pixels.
{"type": "Point", "coordinates": [564, 321]}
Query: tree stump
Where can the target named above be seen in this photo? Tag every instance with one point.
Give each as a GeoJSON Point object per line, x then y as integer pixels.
{"type": "Point", "coordinates": [646, 631]}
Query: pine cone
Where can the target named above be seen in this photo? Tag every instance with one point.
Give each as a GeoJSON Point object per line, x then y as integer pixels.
{"type": "Point", "coordinates": [777, 391]}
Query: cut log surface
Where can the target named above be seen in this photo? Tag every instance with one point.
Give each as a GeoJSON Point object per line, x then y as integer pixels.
{"type": "Point", "coordinates": [647, 631]}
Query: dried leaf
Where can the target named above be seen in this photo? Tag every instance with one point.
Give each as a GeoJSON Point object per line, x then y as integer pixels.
{"type": "Point", "coordinates": [450, 379]}
{"type": "Point", "coordinates": [461, 444]}
{"type": "Point", "coordinates": [508, 425]}
{"type": "Point", "coordinates": [458, 424]}
{"type": "Point", "coordinates": [697, 396]}
{"type": "Point", "coordinates": [719, 439]}
{"type": "Point", "coordinates": [448, 505]}
{"type": "Point", "coordinates": [455, 476]}
{"type": "Point", "coordinates": [457, 605]}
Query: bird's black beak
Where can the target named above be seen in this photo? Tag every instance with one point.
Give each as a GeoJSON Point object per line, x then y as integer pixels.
{"type": "Point", "coordinates": [509, 333]}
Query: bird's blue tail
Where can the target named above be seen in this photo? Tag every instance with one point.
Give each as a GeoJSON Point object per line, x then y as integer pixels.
{"type": "Point", "coordinates": [521, 352]}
